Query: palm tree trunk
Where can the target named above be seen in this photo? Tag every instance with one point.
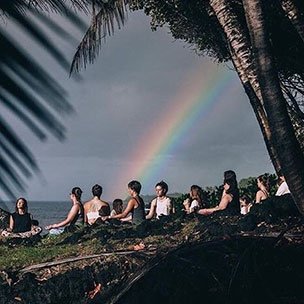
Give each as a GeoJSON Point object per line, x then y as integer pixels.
{"type": "Point", "coordinates": [294, 16]}
{"type": "Point", "coordinates": [242, 59]}
{"type": "Point", "coordinates": [264, 126]}
{"type": "Point", "coordinates": [236, 37]}
{"type": "Point", "coordinates": [286, 144]}
{"type": "Point", "coordinates": [259, 114]}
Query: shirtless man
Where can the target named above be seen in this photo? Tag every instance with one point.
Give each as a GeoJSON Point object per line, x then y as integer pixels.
{"type": "Point", "coordinates": [95, 208]}
{"type": "Point", "coordinates": [162, 204]}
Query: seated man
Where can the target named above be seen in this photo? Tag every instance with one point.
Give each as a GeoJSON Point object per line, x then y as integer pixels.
{"type": "Point", "coordinates": [95, 208]}
{"type": "Point", "coordinates": [162, 204]}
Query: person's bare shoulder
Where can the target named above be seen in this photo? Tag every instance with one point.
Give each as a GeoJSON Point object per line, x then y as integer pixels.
{"type": "Point", "coordinates": [87, 204]}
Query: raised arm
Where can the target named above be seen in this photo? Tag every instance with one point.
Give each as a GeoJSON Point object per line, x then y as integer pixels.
{"type": "Point", "coordinates": [225, 200]}
{"type": "Point", "coordinates": [129, 208]}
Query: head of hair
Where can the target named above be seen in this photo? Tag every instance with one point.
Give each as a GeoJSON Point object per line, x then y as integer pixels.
{"type": "Point", "coordinates": [135, 186]}
{"type": "Point", "coordinates": [197, 192]}
{"type": "Point", "coordinates": [118, 205]}
{"type": "Point", "coordinates": [77, 192]}
{"type": "Point", "coordinates": [264, 180]}
{"type": "Point", "coordinates": [97, 190]}
{"type": "Point", "coordinates": [24, 204]}
{"type": "Point", "coordinates": [245, 199]}
{"type": "Point", "coordinates": [280, 177]}
{"type": "Point", "coordinates": [163, 185]}
{"type": "Point", "coordinates": [233, 186]}
{"type": "Point", "coordinates": [229, 174]}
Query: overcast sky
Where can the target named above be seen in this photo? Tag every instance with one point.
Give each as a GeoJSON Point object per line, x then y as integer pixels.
{"type": "Point", "coordinates": [133, 84]}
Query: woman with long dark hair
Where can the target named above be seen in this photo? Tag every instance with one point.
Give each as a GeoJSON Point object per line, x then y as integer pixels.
{"type": "Point", "coordinates": [263, 191]}
{"type": "Point", "coordinates": [20, 220]}
{"type": "Point", "coordinates": [230, 197]}
{"type": "Point", "coordinates": [75, 217]}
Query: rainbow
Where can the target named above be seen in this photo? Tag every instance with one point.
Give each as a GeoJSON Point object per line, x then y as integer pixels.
{"type": "Point", "coordinates": [194, 102]}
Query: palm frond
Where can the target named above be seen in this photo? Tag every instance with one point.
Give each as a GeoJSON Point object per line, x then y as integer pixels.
{"type": "Point", "coordinates": [102, 25]}
{"type": "Point", "coordinates": [28, 92]}
{"type": "Point", "coordinates": [58, 6]}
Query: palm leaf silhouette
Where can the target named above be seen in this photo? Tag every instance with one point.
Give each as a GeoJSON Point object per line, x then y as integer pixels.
{"type": "Point", "coordinates": [26, 88]}
{"type": "Point", "coordinates": [110, 12]}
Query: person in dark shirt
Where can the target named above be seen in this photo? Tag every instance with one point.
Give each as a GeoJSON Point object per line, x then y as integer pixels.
{"type": "Point", "coordinates": [230, 197]}
{"type": "Point", "coordinates": [20, 220]}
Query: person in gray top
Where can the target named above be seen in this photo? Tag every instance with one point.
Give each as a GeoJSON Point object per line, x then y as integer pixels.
{"type": "Point", "coordinates": [135, 206]}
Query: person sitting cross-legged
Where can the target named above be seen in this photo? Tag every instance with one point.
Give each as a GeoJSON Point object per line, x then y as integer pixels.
{"type": "Point", "coordinates": [21, 222]}
{"type": "Point", "coordinates": [135, 206]}
{"type": "Point", "coordinates": [195, 200]}
{"type": "Point", "coordinates": [75, 217]}
{"type": "Point", "coordinates": [162, 204]}
{"type": "Point", "coordinates": [95, 208]}
{"type": "Point", "coordinates": [229, 201]}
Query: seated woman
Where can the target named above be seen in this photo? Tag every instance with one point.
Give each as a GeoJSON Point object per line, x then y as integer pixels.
{"type": "Point", "coordinates": [245, 204]}
{"type": "Point", "coordinates": [20, 222]}
{"type": "Point", "coordinates": [195, 200]}
{"type": "Point", "coordinates": [229, 201]}
{"type": "Point", "coordinates": [135, 206]}
{"type": "Point", "coordinates": [263, 192]}
{"type": "Point", "coordinates": [162, 204]}
{"type": "Point", "coordinates": [75, 217]}
{"type": "Point", "coordinates": [117, 207]}
{"type": "Point", "coordinates": [95, 209]}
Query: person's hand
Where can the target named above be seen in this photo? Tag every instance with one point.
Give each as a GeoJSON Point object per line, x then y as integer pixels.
{"type": "Point", "coordinates": [48, 227]}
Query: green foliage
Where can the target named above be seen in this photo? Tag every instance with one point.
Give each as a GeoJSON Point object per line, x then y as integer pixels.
{"type": "Point", "coordinates": [213, 195]}
{"type": "Point", "coordinates": [178, 203]}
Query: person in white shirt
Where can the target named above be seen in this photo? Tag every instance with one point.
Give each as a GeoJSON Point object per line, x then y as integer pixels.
{"type": "Point", "coordinates": [162, 204]}
{"type": "Point", "coordinates": [195, 200]}
{"type": "Point", "coordinates": [283, 187]}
